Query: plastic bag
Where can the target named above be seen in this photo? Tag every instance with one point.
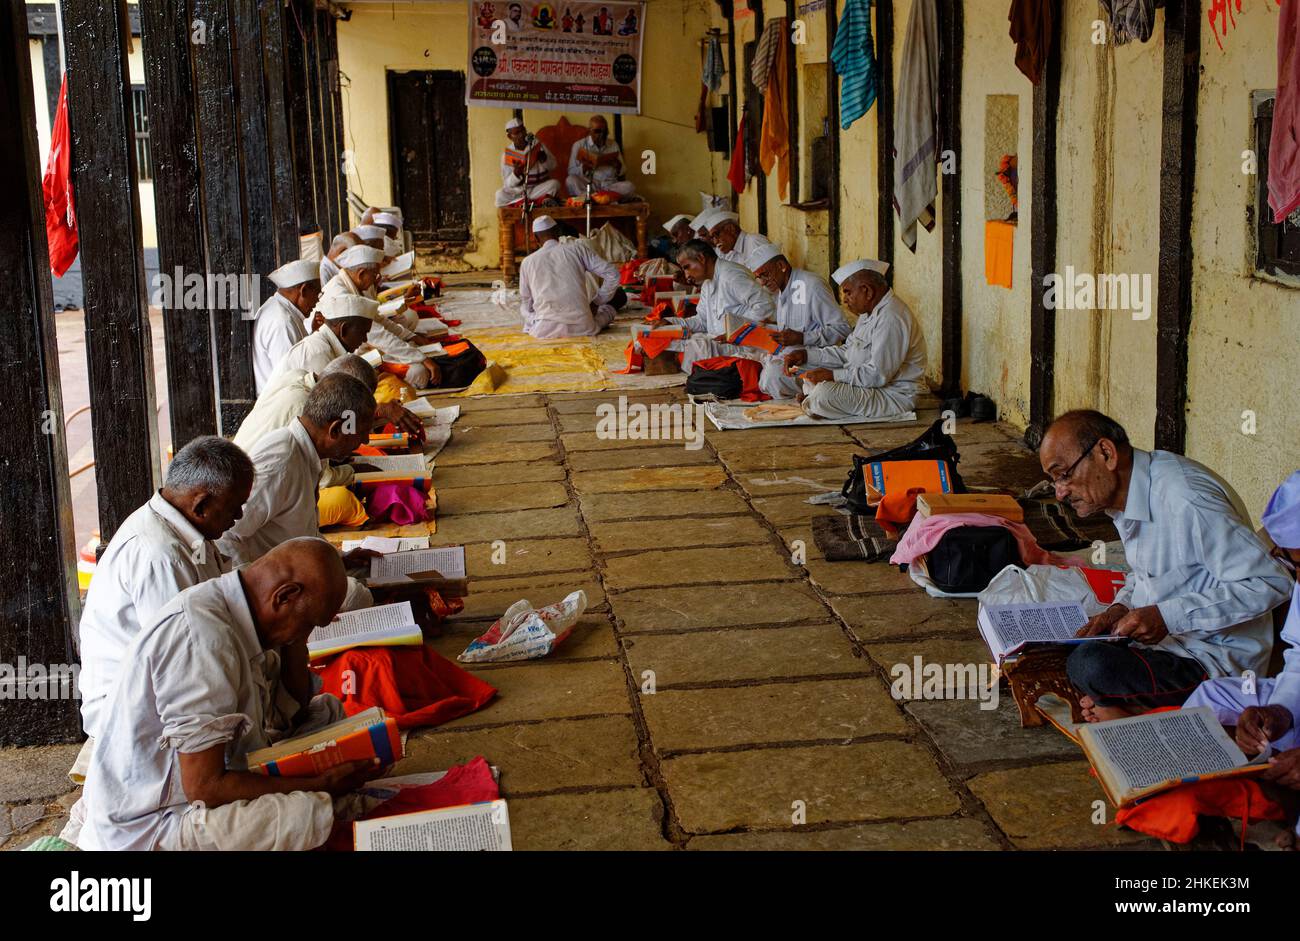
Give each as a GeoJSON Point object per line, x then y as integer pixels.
{"type": "Point", "coordinates": [525, 632]}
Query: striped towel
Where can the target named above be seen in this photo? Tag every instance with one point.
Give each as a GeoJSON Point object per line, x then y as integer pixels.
{"type": "Point", "coordinates": [855, 62]}
{"type": "Point", "coordinates": [765, 51]}
{"type": "Point", "coordinates": [711, 77]}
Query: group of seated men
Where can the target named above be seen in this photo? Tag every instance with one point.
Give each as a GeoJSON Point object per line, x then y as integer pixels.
{"type": "Point", "coordinates": [595, 166]}
{"type": "Point", "coordinates": [193, 634]}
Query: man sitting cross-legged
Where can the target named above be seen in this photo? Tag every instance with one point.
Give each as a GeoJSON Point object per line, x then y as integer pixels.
{"type": "Point", "coordinates": [1196, 603]}
{"type": "Point", "coordinates": [220, 665]}
{"type": "Point", "coordinates": [806, 316]}
{"type": "Point", "coordinates": [880, 369]}
{"type": "Point", "coordinates": [555, 295]}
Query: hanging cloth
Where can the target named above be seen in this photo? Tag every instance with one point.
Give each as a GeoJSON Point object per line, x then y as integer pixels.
{"type": "Point", "coordinates": [855, 61]}
{"type": "Point", "coordinates": [1031, 30]}
{"type": "Point", "coordinates": [60, 216]}
{"type": "Point", "coordinates": [736, 171]}
{"type": "Point", "coordinates": [765, 52]}
{"type": "Point", "coordinates": [711, 76]}
{"type": "Point", "coordinates": [1130, 19]}
{"type": "Point", "coordinates": [915, 125]}
{"type": "Point", "coordinates": [774, 139]}
{"type": "Point", "coordinates": [1284, 144]}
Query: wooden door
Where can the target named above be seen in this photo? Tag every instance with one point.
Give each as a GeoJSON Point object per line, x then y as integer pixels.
{"type": "Point", "coordinates": [428, 128]}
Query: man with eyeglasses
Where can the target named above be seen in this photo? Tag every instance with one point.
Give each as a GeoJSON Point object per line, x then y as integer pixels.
{"type": "Point", "coordinates": [1196, 603]}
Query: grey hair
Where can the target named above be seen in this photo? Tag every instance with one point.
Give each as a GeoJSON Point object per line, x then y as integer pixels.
{"type": "Point", "coordinates": [208, 463]}
{"type": "Point", "coordinates": [338, 397]}
{"type": "Point", "coordinates": [1089, 426]}
{"type": "Point", "coordinates": [350, 364]}
{"type": "Point", "coordinates": [696, 248]}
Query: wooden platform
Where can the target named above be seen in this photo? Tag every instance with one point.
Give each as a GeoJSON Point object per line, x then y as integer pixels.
{"type": "Point", "coordinates": [629, 218]}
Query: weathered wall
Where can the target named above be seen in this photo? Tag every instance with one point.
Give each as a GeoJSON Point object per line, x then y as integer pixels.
{"type": "Point", "coordinates": [434, 35]}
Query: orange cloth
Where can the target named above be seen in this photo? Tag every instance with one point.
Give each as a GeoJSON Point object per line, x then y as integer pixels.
{"type": "Point", "coordinates": [774, 140]}
{"type": "Point", "coordinates": [749, 372]}
{"type": "Point", "coordinates": [1174, 814]}
{"type": "Point", "coordinates": [397, 369]}
{"type": "Point", "coordinates": [999, 251]}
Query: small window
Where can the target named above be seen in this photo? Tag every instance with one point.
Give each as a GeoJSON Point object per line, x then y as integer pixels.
{"type": "Point", "coordinates": [1277, 245]}
{"type": "Point", "coordinates": [140, 119]}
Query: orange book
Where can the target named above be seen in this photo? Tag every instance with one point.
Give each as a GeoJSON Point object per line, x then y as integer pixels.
{"type": "Point", "coordinates": [362, 737]}
{"type": "Point", "coordinates": [884, 477]}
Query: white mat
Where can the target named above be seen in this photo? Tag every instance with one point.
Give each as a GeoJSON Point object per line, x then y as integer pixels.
{"type": "Point", "coordinates": [730, 416]}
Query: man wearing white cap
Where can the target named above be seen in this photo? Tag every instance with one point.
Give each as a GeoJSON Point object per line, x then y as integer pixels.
{"type": "Point", "coordinates": [279, 322]}
{"type": "Point", "coordinates": [526, 167]}
{"type": "Point", "coordinates": [725, 288]}
{"type": "Point", "coordinates": [555, 296]}
{"type": "Point", "coordinates": [340, 244]}
{"type": "Point", "coordinates": [701, 223]}
{"type": "Point", "coordinates": [599, 161]}
{"type": "Point", "coordinates": [807, 315]}
{"type": "Point", "coordinates": [390, 223]}
{"type": "Point", "coordinates": [880, 369]}
{"type": "Point", "coordinates": [679, 233]}
{"type": "Point", "coordinates": [732, 243]}
{"type": "Point", "coordinates": [348, 319]}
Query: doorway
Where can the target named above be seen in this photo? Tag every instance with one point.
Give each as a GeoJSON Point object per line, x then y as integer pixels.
{"type": "Point", "coordinates": [428, 130]}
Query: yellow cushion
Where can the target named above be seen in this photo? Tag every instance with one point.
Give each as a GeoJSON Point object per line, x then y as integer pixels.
{"type": "Point", "coordinates": [340, 506]}
{"type": "Point", "coordinates": [393, 389]}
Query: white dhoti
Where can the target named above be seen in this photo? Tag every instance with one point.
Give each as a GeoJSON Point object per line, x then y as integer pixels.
{"type": "Point", "coordinates": [300, 820]}
{"type": "Point", "coordinates": [703, 347]}
{"type": "Point", "coordinates": [1228, 698]}
{"type": "Point", "coordinates": [538, 191]}
{"type": "Point", "coordinates": [839, 401]}
{"type": "Point", "coordinates": [418, 377]}
{"type": "Point", "coordinates": [578, 187]}
{"type": "Point", "coordinates": [773, 380]}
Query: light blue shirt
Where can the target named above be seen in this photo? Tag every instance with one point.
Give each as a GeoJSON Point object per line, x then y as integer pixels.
{"type": "Point", "coordinates": [807, 305]}
{"type": "Point", "coordinates": [1193, 555]}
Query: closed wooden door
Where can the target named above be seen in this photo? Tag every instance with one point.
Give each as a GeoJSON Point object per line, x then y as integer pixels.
{"type": "Point", "coordinates": [428, 128]}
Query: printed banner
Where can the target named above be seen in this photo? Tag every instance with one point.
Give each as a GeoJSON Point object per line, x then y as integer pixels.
{"type": "Point", "coordinates": [555, 55]}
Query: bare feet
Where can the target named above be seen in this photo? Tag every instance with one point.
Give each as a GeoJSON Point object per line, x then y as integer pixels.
{"type": "Point", "coordinates": [1095, 713]}
{"type": "Point", "coordinates": [1286, 840]}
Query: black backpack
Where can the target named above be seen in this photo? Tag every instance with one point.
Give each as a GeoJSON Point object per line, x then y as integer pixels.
{"type": "Point", "coordinates": [460, 369]}
{"type": "Point", "coordinates": [725, 383]}
{"type": "Point", "coordinates": [965, 559]}
{"type": "Point", "coordinates": [934, 444]}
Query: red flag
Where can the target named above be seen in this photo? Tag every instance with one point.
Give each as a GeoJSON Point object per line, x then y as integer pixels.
{"type": "Point", "coordinates": [736, 172]}
{"type": "Point", "coordinates": [60, 217]}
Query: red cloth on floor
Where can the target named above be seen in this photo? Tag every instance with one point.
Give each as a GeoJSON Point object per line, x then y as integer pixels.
{"type": "Point", "coordinates": [60, 216]}
{"type": "Point", "coordinates": [1174, 814]}
{"type": "Point", "coordinates": [417, 686]}
{"type": "Point", "coordinates": [749, 371]}
{"type": "Point", "coordinates": [736, 171]}
{"type": "Point", "coordinates": [400, 503]}
{"type": "Point", "coordinates": [470, 783]}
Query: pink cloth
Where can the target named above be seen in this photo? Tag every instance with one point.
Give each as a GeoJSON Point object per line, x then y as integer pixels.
{"type": "Point", "coordinates": [402, 504]}
{"type": "Point", "coordinates": [1284, 145]}
{"type": "Point", "coordinates": [925, 531]}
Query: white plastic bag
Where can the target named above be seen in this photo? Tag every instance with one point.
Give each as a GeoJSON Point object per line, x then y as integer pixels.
{"type": "Point", "coordinates": [525, 632]}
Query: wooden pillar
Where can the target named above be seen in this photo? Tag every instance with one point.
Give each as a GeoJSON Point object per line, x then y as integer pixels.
{"type": "Point", "coordinates": [119, 346]}
{"type": "Point", "coordinates": [223, 207]}
{"type": "Point", "coordinates": [884, 36]}
{"type": "Point", "coordinates": [1177, 181]}
{"type": "Point", "coordinates": [792, 101]}
{"type": "Point", "coordinates": [254, 142]}
{"type": "Point", "coordinates": [328, 141]}
{"type": "Point", "coordinates": [298, 115]}
{"type": "Point", "coordinates": [38, 606]}
{"type": "Point", "coordinates": [178, 197]}
{"type": "Point", "coordinates": [733, 89]}
{"type": "Point", "coordinates": [284, 210]}
{"type": "Point", "coordinates": [1042, 242]}
{"type": "Point", "coordinates": [950, 58]}
{"type": "Point", "coordinates": [760, 178]}
{"type": "Point", "coordinates": [336, 105]}
{"type": "Point", "coordinates": [833, 114]}
{"type": "Point", "coordinates": [326, 211]}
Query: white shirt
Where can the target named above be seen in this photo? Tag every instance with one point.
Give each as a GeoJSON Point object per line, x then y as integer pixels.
{"type": "Point", "coordinates": [197, 677]}
{"type": "Point", "coordinates": [277, 328]}
{"type": "Point", "coordinates": [553, 289]}
{"type": "Point", "coordinates": [1286, 688]}
{"type": "Point", "coordinates": [734, 290]}
{"type": "Point", "coordinates": [1195, 557]}
{"type": "Point", "coordinates": [603, 174]}
{"type": "Point", "coordinates": [885, 349]}
{"type": "Point", "coordinates": [746, 248]}
{"type": "Point", "coordinates": [282, 505]}
{"type": "Point", "coordinates": [153, 556]}
{"type": "Point", "coordinates": [389, 338]}
{"type": "Point", "coordinates": [312, 354]}
{"type": "Point", "coordinates": [328, 269]}
{"type": "Point", "coordinates": [278, 406]}
{"type": "Point", "coordinates": [806, 304]}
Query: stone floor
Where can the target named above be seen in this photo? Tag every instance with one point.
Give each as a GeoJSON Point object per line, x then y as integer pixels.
{"type": "Point", "coordinates": [716, 695]}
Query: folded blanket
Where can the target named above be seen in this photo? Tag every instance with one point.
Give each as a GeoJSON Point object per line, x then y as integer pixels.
{"type": "Point", "coordinates": [852, 538]}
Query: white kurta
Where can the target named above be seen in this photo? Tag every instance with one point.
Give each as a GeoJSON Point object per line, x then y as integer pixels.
{"type": "Point", "coordinates": [278, 406]}
{"type": "Point", "coordinates": [553, 297]}
{"type": "Point", "coordinates": [198, 678]}
{"type": "Point", "coordinates": [805, 304]}
{"type": "Point", "coordinates": [312, 354]}
{"type": "Point", "coordinates": [539, 167]}
{"type": "Point", "coordinates": [604, 177]}
{"type": "Point", "coordinates": [154, 555]}
{"type": "Point", "coordinates": [392, 340]}
{"type": "Point", "coordinates": [734, 290]}
{"type": "Point", "coordinates": [277, 328]}
{"type": "Point", "coordinates": [746, 249]}
{"type": "Point", "coordinates": [328, 269]}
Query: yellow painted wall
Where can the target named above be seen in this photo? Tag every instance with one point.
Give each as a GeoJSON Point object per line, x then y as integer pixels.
{"type": "Point", "coordinates": [434, 35]}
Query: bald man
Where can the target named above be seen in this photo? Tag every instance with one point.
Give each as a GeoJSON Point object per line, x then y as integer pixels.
{"type": "Point", "coordinates": [211, 679]}
{"type": "Point", "coordinates": [599, 161]}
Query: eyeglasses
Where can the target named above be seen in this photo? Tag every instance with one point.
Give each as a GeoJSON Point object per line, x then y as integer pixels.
{"type": "Point", "coordinates": [1064, 478]}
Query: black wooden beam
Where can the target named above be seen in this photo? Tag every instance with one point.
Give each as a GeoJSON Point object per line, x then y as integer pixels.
{"type": "Point", "coordinates": [42, 21]}
{"type": "Point", "coordinates": [329, 140]}
{"type": "Point", "coordinates": [223, 207]}
{"type": "Point", "coordinates": [792, 101]}
{"type": "Point", "coordinates": [53, 73]}
{"type": "Point", "coordinates": [326, 210]}
{"type": "Point", "coordinates": [284, 210]}
{"type": "Point", "coordinates": [733, 89]}
{"type": "Point", "coordinates": [884, 36]}
{"type": "Point", "coordinates": [1042, 241]}
{"type": "Point", "coordinates": [1177, 180]}
{"type": "Point", "coordinates": [298, 114]}
{"type": "Point", "coordinates": [169, 86]}
{"type": "Point", "coordinates": [119, 347]}
{"type": "Point", "coordinates": [833, 124]}
{"type": "Point", "coordinates": [254, 142]}
{"type": "Point", "coordinates": [760, 178]}
{"type": "Point", "coordinates": [38, 606]}
{"type": "Point", "coordinates": [951, 36]}
{"type": "Point", "coordinates": [336, 105]}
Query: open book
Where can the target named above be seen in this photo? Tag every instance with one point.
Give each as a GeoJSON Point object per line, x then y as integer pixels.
{"type": "Point", "coordinates": [384, 625]}
{"type": "Point", "coordinates": [442, 568]}
{"type": "Point", "coordinates": [392, 467]}
{"type": "Point", "coordinates": [366, 735]}
{"type": "Point", "coordinates": [399, 265]}
{"type": "Point", "coordinates": [1010, 629]}
{"type": "Point", "coordinates": [394, 290]}
{"type": "Point", "coordinates": [431, 327]}
{"type": "Point", "coordinates": [1143, 755]}
{"type": "Point", "coordinates": [467, 828]}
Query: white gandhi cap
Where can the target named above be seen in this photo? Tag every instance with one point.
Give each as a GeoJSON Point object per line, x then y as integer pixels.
{"type": "Point", "coordinates": [342, 306]}
{"type": "Point", "coordinates": [368, 232]}
{"type": "Point", "coordinates": [718, 217]}
{"type": "Point", "coordinates": [387, 218]}
{"type": "Point", "coordinates": [704, 220]}
{"type": "Point", "coordinates": [543, 223]}
{"type": "Point", "coordinates": [514, 123]}
{"type": "Point", "coordinates": [763, 254]}
{"type": "Point", "coordinates": [295, 273]}
{"type": "Point", "coordinates": [359, 256]}
{"type": "Point", "coordinates": [844, 272]}
{"type": "Point", "coordinates": [680, 217]}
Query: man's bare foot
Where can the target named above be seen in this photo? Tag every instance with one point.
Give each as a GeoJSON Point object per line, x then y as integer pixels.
{"type": "Point", "coordinates": [1095, 713]}
{"type": "Point", "coordinates": [1286, 840]}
